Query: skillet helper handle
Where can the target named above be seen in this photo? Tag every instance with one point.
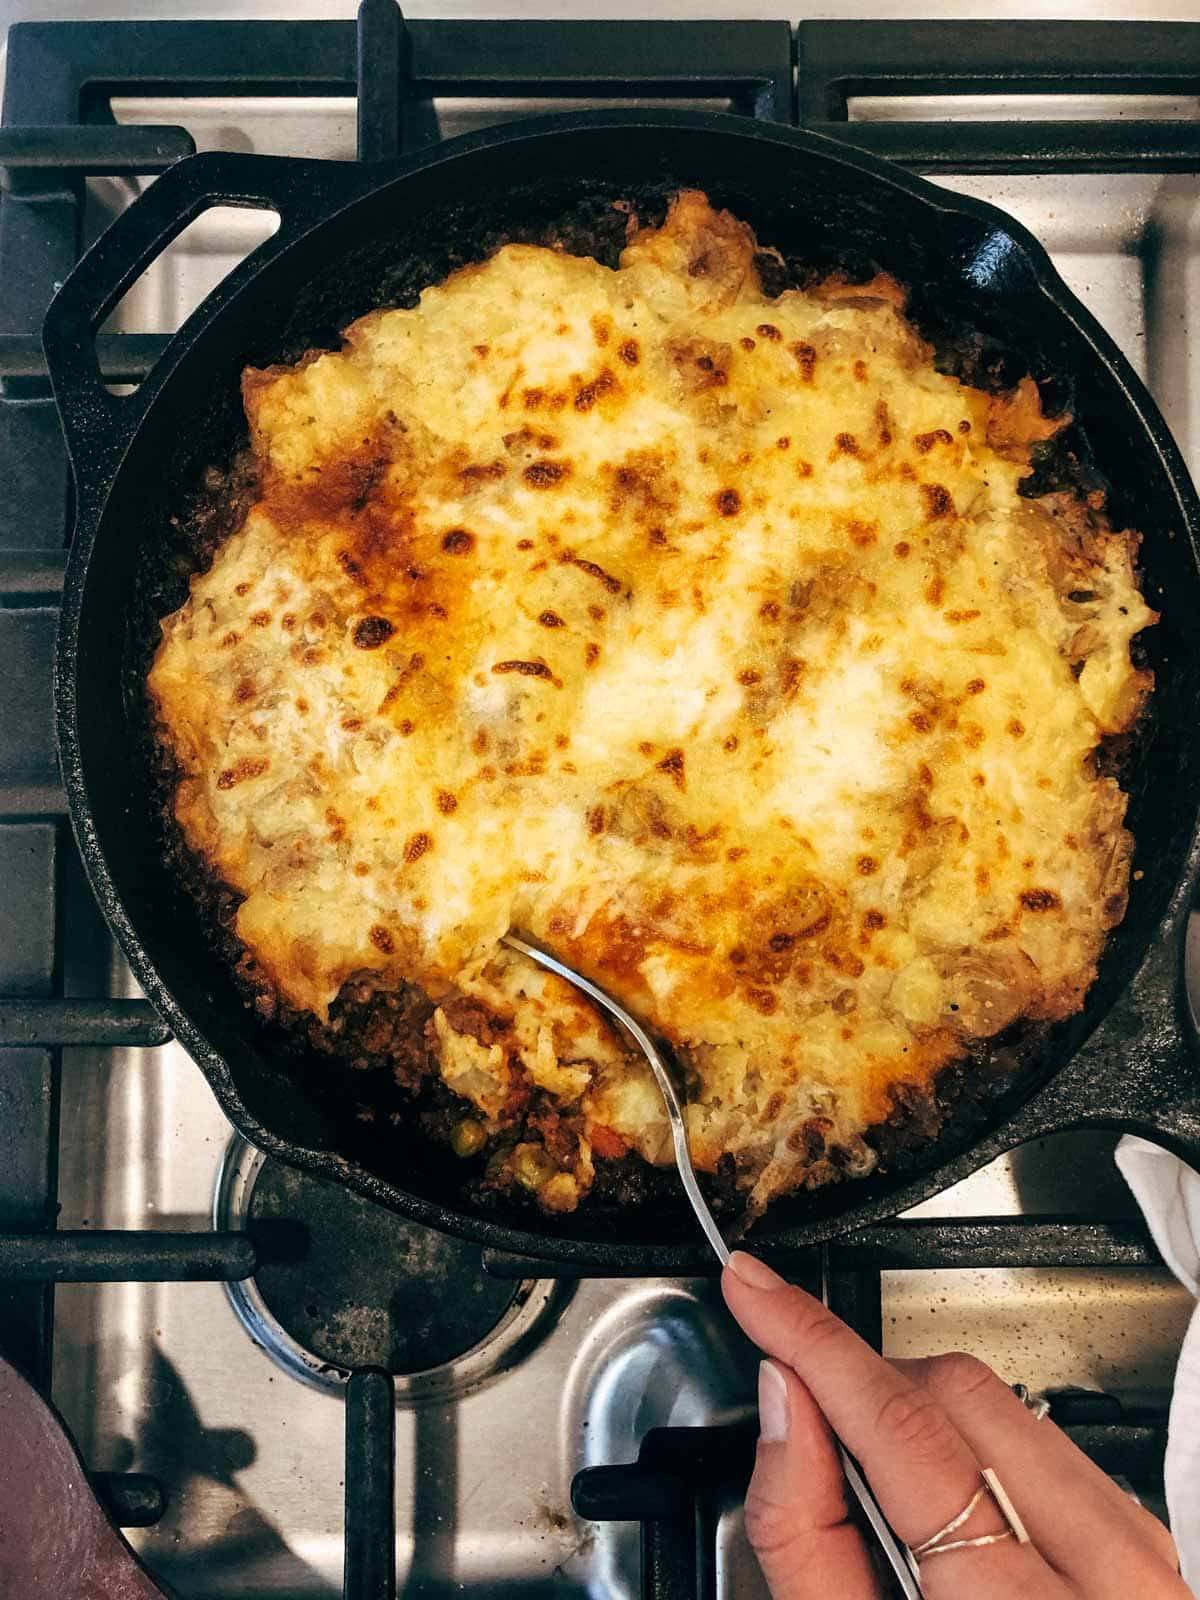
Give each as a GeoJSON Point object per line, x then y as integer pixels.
{"type": "Point", "coordinates": [1171, 1072]}
{"type": "Point", "coordinates": [98, 424]}
{"type": "Point", "coordinates": [1140, 1071]}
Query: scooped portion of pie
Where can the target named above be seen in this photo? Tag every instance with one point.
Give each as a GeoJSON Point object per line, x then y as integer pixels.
{"type": "Point", "coordinates": [703, 637]}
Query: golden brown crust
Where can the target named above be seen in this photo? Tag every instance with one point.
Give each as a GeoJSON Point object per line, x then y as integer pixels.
{"type": "Point", "coordinates": [704, 636]}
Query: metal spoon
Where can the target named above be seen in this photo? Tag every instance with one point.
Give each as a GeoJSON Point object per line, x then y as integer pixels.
{"type": "Point", "coordinates": [902, 1565]}
{"type": "Point", "coordinates": [683, 1156]}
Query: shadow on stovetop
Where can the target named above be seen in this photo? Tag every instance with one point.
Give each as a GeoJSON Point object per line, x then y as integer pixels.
{"type": "Point", "coordinates": [177, 1447]}
{"type": "Point", "coordinates": [238, 1553]}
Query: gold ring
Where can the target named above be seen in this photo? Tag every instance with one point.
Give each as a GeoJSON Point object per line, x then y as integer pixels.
{"type": "Point", "coordinates": [940, 1542]}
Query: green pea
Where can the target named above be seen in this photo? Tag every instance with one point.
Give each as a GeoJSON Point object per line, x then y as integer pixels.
{"type": "Point", "coordinates": [531, 1166]}
{"type": "Point", "coordinates": [467, 1138]}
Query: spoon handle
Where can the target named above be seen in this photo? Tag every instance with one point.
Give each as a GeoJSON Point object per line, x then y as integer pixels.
{"type": "Point", "coordinates": [892, 1549]}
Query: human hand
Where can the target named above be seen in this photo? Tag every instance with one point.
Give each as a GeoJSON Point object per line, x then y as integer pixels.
{"type": "Point", "coordinates": [921, 1431]}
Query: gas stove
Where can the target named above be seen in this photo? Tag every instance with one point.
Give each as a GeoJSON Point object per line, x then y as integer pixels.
{"type": "Point", "coordinates": [277, 1388]}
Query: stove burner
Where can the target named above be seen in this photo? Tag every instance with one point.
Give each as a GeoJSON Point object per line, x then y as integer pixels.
{"type": "Point", "coordinates": [347, 1284]}
{"type": "Point", "coordinates": [372, 1289]}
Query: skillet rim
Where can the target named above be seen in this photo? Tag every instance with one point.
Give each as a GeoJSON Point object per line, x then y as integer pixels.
{"type": "Point", "coordinates": [369, 182]}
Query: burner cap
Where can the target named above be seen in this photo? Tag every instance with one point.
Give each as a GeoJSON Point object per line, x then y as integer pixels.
{"type": "Point", "coordinates": [344, 1283]}
{"type": "Point", "coordinates": [371, 1289]}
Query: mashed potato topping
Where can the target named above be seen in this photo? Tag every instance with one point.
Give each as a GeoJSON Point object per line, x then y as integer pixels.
{"type": "Point", "coordinates": [700, 636]}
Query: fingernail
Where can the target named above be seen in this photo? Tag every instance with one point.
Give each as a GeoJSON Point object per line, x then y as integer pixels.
{"type": "Point", "coordinates": [773, 1409]}
{"type": "Point", "coordinates": [754, 1272]}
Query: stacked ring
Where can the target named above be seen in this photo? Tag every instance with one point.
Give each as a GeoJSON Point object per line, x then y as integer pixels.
{"type": "Point", "coordinates": [941, 1542]}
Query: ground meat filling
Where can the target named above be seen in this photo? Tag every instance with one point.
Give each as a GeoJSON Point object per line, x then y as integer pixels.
{"type": "Point", "coordinates": [684, 613]}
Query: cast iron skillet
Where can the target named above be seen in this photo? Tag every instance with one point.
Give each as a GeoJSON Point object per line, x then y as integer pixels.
{"type": "Point", "coordinates": [355, 236]}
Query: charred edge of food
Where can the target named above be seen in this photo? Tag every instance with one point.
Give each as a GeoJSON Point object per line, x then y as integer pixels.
{"type": "Point", "coordinates": [398, 1074]}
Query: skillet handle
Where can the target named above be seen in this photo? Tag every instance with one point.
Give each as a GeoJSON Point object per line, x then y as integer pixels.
{"type": "Point", "coordinates": [1140, 1071]}
{"type": "Point", "coordinates": [98, 424]}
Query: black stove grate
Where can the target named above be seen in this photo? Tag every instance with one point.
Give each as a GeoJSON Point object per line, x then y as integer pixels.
{"type": "Point", "coordinates": [57, 130]}
{"type": "Point", "coordinates": [685, 1478]}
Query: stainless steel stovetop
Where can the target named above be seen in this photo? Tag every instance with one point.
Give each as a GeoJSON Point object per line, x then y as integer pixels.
{"type": "Point", "coordinates": [165, 1378]}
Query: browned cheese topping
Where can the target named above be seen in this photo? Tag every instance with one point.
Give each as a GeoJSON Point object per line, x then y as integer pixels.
{"type": "Point", "coordinates": [703, 638]}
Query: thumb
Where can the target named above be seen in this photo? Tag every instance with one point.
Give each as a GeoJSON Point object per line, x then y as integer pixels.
{"type": "Point", "coordinates": [796, 1512]}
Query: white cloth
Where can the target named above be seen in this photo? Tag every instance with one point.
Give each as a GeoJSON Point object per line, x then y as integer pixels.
{"type": "Point", "coordinates": [1169, 1195]}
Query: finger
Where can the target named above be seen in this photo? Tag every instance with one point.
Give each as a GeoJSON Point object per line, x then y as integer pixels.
{"type": "Point", "coordinates": [1080, 1520]}
{"type": "Point", "coordinates": [918, 1464]}
{"type": "Point", "coordinates": [977, 1399]}
{"type": "Point", "coordinates": [796, 1513]}
{"type": "Point", "coordinates": [920, 1467]}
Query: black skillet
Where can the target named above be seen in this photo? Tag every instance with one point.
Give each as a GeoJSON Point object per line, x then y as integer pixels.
{"type": "Point", "coordinates": [354, 236]}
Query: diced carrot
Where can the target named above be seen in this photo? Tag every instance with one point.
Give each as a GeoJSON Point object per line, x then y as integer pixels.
{"type": "Point", "coordinates": [607, 1143]}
